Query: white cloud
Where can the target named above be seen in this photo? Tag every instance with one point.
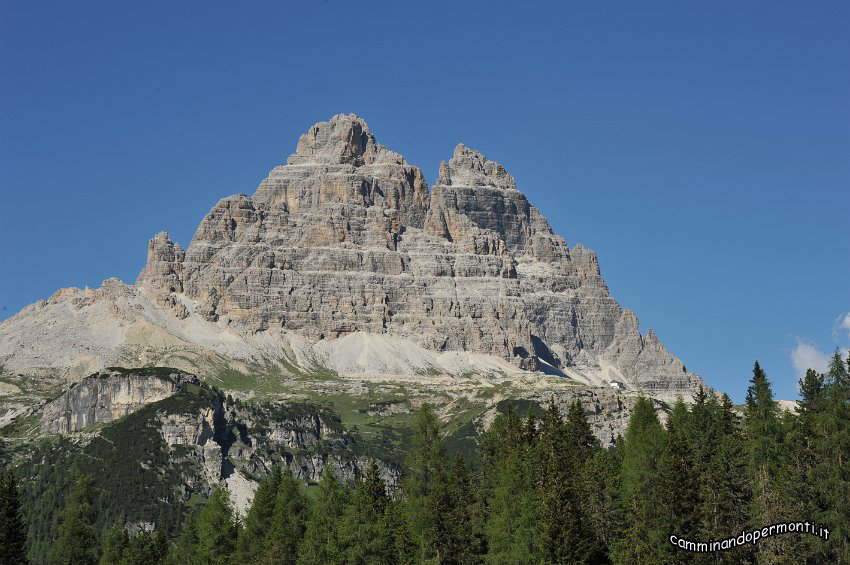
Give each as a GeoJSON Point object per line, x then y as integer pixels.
{"type": "Point", "coordinates": [844, 324]}
{"type": "Point", "coordinates": [806, 356]}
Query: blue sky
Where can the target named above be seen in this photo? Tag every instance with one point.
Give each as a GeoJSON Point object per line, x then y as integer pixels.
{"type": "Point", "coordinates": [701, 148]}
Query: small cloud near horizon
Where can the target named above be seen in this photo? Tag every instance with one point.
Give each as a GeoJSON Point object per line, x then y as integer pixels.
{"type": "Point", "coordinates": [843, 323]}
{"type": "Point", "coordinates": [806, 356]}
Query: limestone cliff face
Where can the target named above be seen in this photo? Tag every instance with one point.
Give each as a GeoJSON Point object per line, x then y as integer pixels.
{"type": "Point", "coordinates": [105, 397]}
{"type": "Point", "coordinates": [346, 239]}
{"type": "Point", "coordinates": [210, 438]}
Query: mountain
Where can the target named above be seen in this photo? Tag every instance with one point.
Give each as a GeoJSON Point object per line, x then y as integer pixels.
{"type": "Point", "coordinates": [305, 325]}
{"type": "Point", "coordinates": [344, 260]}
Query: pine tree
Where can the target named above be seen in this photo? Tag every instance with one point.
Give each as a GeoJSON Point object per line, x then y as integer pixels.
{"type": "Point", "coordinates": [77, 542]}
{"type": "Point", "coordinates": [552, 484]}
{"type": "Point", "coordinates": [217, 529]}
{"type": "Point", "coordinates": [396, 523]}
{"type": "Point", "coordinates": [185, 551]}
{"type": "Point", "coordinates": [286, 531]}
{"type": "Point", "coordinates": [726, 490]}
{"type": "Point", "coordinates": [834, 468]}
{"type": "Point", "coordinates": [323, 540]}
{"type": "Point", "coordinates": [678, 482]}
{"type": "Point", "coordinates": [762, 419]}
{"type": "Point", "coordinates": [702, 432]}
{"type": "Point", "coordinates": [642, 538]}
{"type": "Point", "coordinates": [425, 486]}
{"type": "Point", "coordinates": [114, 546]}
{"type": "Point", "coordinates": [601, 480]}
{"type": "Point", "coordinates": [512, 519]}
{"type": "Point", "coordinates": [252, 538]}
{"type": "Point", "coordinates": [364, 528]}
{"type": "Point", "coordinates": [505, 434]}
{"type": "Point", "coordinates": [580, 534]}
{"type": "Point", "coordinates": [146, 548]}
{"type": "Point", "coordinates": [13, 537]}
{"type": "Point", "coordinates": [460, 540]}
{"type": "Point", "coordinates": [764, 440]}
{"type": "Point", "coordinates": [375, 488]}
{"type": "Point", "coordinates": [802, 458]}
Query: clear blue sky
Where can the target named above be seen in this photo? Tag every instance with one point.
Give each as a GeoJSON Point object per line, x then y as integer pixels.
{"type": "Point", "coordinates": [701, 148]}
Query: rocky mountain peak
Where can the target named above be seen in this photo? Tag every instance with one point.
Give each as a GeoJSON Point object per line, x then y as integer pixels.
{"type": "Point", "coordinates": [347, 240]}
{"type": "Point", "coordinates": [469, 167]}
{"type": "Point", "coordinates": [164, 264]}
{"type": "Point", "coordinates": [344, 140]}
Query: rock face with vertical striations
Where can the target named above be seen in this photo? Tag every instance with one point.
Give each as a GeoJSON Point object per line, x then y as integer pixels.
{"type": "Point", "coordinates": [107, 396]}
{"type": "Point", "coordinates": [347, 238]}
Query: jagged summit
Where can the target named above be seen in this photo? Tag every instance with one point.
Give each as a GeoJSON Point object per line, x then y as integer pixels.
{"type": "Point", "coordinates": [471, 168]}
{"type": "Point", "coordinates": [346, 239]}
{"type": "Point", "coordinates": [164, 263]}
{"type": "Point", "coordinates": [343, 140]}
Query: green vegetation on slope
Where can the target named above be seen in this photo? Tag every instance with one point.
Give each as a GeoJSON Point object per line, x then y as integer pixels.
{"type": "Point", "coordinates": [544, 491]}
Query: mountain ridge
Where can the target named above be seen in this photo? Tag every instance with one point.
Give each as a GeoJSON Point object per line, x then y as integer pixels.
{"type": "Point", "coordinates": [348, 239]}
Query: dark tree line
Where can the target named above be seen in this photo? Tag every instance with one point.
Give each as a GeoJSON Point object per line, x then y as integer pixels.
{"type": "Point", "coordinates": [13, 536]}
{"type": "Point", "coordinates": [543, 491]}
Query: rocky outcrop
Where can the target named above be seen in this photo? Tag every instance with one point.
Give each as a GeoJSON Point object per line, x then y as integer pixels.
{"type": "Point", "coordinates": [210, 437]}
{"type": "Point", "coordinates": [105, 397]}
{"type": "Point", "coordinates": [220, 440]}
{"type": "Point", "coordinates": [345, 239]}
{"type": "Point", "coordinates": [164, 266]}
{"type": "Point", "coordinates": [607, 410]}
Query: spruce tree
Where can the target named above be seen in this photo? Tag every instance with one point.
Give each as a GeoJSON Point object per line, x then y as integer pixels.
{"type": "Point", "coordinates": [146, 548]}
{"type": "Point", "coordinates": [834, 469]}
{"type": "Point", "coordinates": [552, 486]}
{"type": "Point", "coordinates": [581, 444]}
{"type": "Point", "coordinates": [425, 488]}
{"type": "Point", "coordinates": [439, 508]}
{"type": "Point", "coordinates": [764, 441]}
{"type": "Point", "coordinates": [375, 488]}
{"type": "Point", "coordinates": [217, 529]}
{"type": "Point", "coordinates": [252, 537]}
{"type": "Point", "coordinates": [323, 541]}
{"type": "Point", "coordinates": [77, 542]}
{"type": "Point", "coordinates": [643, 536]}
{"type": "Point", "coordinates": [185, 551]}
{"type": "Point", "coordinates": [678, 483]}
{"type": "Point", "coordinates": [512, 518]}
{"type": "Point", "coordinates": [160, 545]}
{"type": "Point", "coordinates": [460, 542]}
{"type": "Point", "coordinates": [803, 459]}
{"type": "Point", "coordinates": [115, 545]}
{"type": "Point", "coordinates": [601, 480]}
{"type": "Point", "coordinates": [364, 528]}
{"type": "Point", "coordinates": [701, 431]}
{"type": "Point", "coordinates": [726, 489]}
{"type": "Point", "coordinates": [762, 420]}
{"type": "Point", "coordinates": [579, 436]}
{"type": "Point", "coordinates": [286, 530]}
{"type": "Point", "coordinates": [13, 537]}
{"type": "Point", "coordinates": [505, 434]}
{"type": "Point", "coordinates": [405, 548]}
